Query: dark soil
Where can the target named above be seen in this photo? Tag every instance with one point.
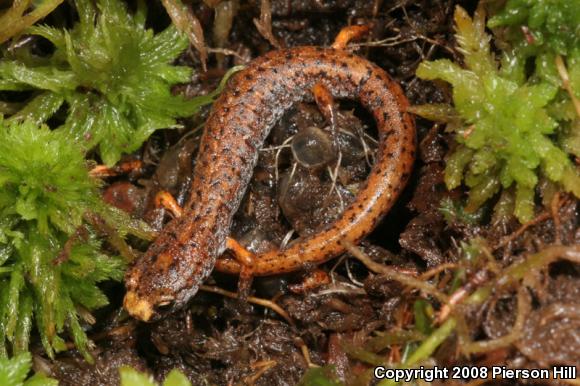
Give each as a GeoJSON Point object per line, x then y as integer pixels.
{"type": "Point", "coordinates": [223, 341]}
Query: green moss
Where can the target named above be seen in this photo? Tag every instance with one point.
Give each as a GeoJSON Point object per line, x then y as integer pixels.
{"type": "Point", "coordinates": [13, 372]}
{"type": "Point", "coordinates": [553, 24]}
{"type": "Point", "coordinates": [50, 259]}
{"type": "Point", "coordinates": [320, 376]}
{"type": "Point", "coordinates": [505, 135]}
{"type": "Point", "coordinates": [43, 178]}
{"type": "Point", "coordinates": [23, 14]}
{"type": "Point", "coordinates": [552, 32]}
{"type": "Point", "coordinates": [113, 75]}
{"type": "Point", "coordinates": [131, 377]}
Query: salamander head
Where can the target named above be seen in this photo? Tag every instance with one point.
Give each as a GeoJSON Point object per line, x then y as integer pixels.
{"type": "Point", "coordinates": [158, 284]}
{"type": "Point", "coordinates": [149, 294]}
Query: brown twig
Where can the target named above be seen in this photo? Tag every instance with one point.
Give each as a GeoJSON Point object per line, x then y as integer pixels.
{"type": "Point", "coordinates": [524, 307]}
{"type": "Point", "coordinates": [186, 21]}
{"type": "Point", "coordinates": [393, 273]}
{"type": "Point", "coordinates": [260, 301]}
{"type": "Point", "coordinates": [563, 72]}
{"type": "Point", "coordinates": [81, 234]}
{"type": "Point", "coordinates": [555, 208]}
{"type": "Point", "coordinates": [264, 24]}
{"type": "Point", "coordinates": [434, 271]}
{"type": "Point", "coordinates": [511, 237]}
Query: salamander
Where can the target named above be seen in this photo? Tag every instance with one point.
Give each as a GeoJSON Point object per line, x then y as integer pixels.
{"type": "Point", "coordinates": [187, 249]}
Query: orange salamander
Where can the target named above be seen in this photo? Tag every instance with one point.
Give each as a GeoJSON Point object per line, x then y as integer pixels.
{"type": "Point", "coordinates": [188, 248]}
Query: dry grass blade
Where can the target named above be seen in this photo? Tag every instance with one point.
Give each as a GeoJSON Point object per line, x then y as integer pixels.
{"type": "Point", "coordinates": [186, 22]}
{"type": "Point", "coordinates": [394, 274]}
{"type": "Point", "coordinates": [262, 302]}
{"type": "Point", "coordinates": [14, 21]}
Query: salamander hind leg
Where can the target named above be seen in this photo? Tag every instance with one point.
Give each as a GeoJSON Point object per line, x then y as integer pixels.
{"type": "Point", "coordinates": [347, 34]}
{"type": "Point", "coordinates": [247, 262]}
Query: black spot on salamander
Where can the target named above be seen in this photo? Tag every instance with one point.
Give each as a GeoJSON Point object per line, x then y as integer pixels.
{"type": "Point", "coordinates": [236, 92]}
{"type": "Point", "coordinates": [344, 65]}
{"type": "Point", "coordinates": [299, 73]}
{"type": "Point", "coordinates": [222, 207]}
{"type": "Point", "coordinates": [250, 143]}
{"type": "Point", "coordinates": [288, 55]}
{"type": "Point", "coordinates": [173, 234]}
{"type": "Point", "coordinates": [369, 72]}
{"type": "Point", "coordinates": [390, 155]}
{"type": "Point", "coordinates": [173, 264]}
{"type": "Point", "coordinates": [274, 70]}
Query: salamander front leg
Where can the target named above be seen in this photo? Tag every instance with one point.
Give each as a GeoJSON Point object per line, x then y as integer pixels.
{"type": "Point", "coordinates": [244, 257]}
{"type": "Point", "coordinates": [165, 200]}
{"type": "Point", "coordinates": [132, 167]}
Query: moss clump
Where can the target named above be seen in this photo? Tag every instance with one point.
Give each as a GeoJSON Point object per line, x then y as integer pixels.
{"type": "Point", "coordinates": [503, 122]}
{"type": "Point", "coordinates": [23, 14]}
{"type": "Point", "coordinates": [50, 259]}
{"type": "Point", "coordinates": [131, 377]}
{"type": "Point", "coordinates": [113, 75]}
{"type": "Point", "coordinates": [553, 25]}
{"type": "Point", "coordinates": [14, 371]}
{"type": "Point", "coordinates": [547, 34]}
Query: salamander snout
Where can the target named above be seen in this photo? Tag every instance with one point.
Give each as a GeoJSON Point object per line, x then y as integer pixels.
{"type": "Point", "coordinates": [138, 307]}
{"type": "Point", "coordinates": [159, 283]}
{"type": "Point", "coordinates": [150, 295]}
{"type": "Point", "coordinates": [145, 308]}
